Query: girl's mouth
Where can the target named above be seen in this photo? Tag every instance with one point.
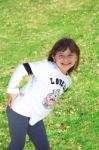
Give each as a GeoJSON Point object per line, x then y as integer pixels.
{"type": "Point", "coordinates": [66, 64]}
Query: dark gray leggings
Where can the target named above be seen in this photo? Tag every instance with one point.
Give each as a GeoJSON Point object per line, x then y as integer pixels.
{"type": "Point", "coordinates": [19, 126]}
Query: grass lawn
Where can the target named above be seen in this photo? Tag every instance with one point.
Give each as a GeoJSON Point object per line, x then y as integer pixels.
{"type": "Point", "coordinates": [28, 29]}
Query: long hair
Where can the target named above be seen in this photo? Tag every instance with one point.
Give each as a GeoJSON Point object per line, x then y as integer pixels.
{"type": "Point", "coordinates": [62, 45]}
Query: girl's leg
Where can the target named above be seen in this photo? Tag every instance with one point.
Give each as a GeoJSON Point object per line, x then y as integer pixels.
{"type": "Point", "coordinates": [18, 128]}
{"type": "Point", "coordinates": [37, 134]}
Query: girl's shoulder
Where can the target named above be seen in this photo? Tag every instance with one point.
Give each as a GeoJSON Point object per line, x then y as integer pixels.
{"type": "Point", "coordinates": [42, 63]}
{"type": "Point", "coordinates": [39, 66]}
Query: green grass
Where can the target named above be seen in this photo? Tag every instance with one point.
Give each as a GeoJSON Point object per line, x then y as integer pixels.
{"type": "Point", "coordinates": [28, 29]}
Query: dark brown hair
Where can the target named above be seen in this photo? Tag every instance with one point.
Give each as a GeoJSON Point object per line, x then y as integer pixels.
{"type": "Point", "coordinates": [62, 45]}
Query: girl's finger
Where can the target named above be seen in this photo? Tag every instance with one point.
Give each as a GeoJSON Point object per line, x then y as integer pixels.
{"type": "Point", "coordinates": [8, 102]}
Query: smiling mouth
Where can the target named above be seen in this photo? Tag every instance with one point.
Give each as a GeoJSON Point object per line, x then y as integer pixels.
{"type": "Point", "coordinates": [66, 64]}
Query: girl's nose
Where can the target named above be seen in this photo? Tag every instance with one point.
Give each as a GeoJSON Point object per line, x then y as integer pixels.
{"type": "Point", "coordinates": [66, 60]}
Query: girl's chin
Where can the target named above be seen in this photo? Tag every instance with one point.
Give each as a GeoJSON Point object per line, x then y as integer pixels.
{"type": "Point", "coordinates": [64, 71]}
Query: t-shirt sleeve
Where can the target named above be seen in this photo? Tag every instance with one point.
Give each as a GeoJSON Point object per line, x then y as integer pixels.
{"type": "Point", "coordinates": [28, 68]}
{"type": "Point", "coordinates": [36, 67]}
{"type": "Point", "coordinates": [16, 78]}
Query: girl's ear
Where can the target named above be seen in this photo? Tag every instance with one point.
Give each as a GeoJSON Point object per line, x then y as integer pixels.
{"type": "Point", "coordinates": [53, 57]}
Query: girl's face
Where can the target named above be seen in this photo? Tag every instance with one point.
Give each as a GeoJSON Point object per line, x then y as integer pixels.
{"type": "Point", "coordinates": [65, 60]}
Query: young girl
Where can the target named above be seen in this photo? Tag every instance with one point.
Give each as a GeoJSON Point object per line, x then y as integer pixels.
{"type": "Point", "coordinates": [27, 107]}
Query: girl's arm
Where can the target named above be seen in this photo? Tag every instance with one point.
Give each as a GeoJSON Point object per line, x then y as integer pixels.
{"type": "Point", "coordinates": [13, 86]}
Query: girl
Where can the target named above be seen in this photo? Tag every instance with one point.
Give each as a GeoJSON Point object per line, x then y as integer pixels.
{"type": "Point", "coordinates": [28, 106]}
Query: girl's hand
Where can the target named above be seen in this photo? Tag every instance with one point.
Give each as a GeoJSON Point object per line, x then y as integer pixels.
{"type": "Point", "coordinates": [11, 98]}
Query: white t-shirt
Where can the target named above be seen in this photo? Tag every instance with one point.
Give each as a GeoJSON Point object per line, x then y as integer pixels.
{"type": "Point", "coordinates": [41, 92]}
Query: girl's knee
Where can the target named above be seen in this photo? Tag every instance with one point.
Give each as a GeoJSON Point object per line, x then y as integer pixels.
{"type": "Point", "coordinates": [16, 146]}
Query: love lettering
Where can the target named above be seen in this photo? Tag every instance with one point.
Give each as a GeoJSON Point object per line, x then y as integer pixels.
{"type": "Point", "coordinates": [58, 81]}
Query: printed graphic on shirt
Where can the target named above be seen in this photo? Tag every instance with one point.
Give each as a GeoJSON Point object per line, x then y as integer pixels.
{"type": "Point", "coordinates": [51, 99]}
{"type": "Point", "coordinates": [58, 81]}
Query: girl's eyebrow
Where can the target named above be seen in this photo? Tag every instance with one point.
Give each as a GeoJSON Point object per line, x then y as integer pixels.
{"type": "Point", "coordinates": [61, 52]}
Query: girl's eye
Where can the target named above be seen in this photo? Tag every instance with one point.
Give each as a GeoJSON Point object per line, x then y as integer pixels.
{"type": "Point", "coordinates": [61, 56]}
{"type": "Point", "coordinates": [70, 55]}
